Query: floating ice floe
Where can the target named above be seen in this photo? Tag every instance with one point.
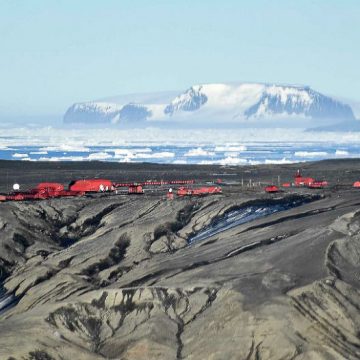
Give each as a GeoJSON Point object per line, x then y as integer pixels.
{"type": "Point", "coordinates": [66, 147]}
{"type": "Point", "coordinates": [38, 152]}
{"type": "Point", "coordinates": [179, 162]}
{"type": "Point", "coordinates": [100, 156]}
{"type": "Point", "coordinates": [310, 153]}
{"type": "Point", "coordinates": [199, 152]}
{"type": "Point", "coordinates": [281, 161]}
{"type": "Point", "coordinates": [20, 156]}
{"type": "Point", "coordinates": [341, 153]}
{"type": "Point", "coordinates": [230, 160]}
{"type": "Point", "coordinates": [158, 155]}
{"type": "Point", "coordinates": [63, 158]}
{"type": "Point", "coordinates": [230, 148]}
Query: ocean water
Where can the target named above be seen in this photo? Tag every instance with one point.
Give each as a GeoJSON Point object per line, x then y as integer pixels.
{"type": "Point", "coordinates": [227, 154]}
{"type": "Point", "coordinates": [223, 147]}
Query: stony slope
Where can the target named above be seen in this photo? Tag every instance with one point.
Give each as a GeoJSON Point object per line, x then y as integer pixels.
{"type": "Point", "coordinates": [114, 278]}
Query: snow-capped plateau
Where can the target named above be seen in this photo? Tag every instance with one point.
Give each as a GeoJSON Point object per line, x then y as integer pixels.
{"type": "Point", "coordinates": [242, 103]}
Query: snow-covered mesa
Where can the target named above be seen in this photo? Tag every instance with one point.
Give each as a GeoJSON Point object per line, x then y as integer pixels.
{"type": "Point", "coordinates": [243, 103]}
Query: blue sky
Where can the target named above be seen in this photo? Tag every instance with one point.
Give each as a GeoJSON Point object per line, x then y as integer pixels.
{"type": "Point", "coordinates": [56, 52]}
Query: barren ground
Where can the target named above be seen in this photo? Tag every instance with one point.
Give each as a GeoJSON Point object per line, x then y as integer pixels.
{"type": "Point", "coordinates": [114, 277]}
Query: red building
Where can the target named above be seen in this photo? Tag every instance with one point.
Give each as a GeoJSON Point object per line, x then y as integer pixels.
{"type": "Point", "coordinates": [272, 189]}
{"type": "Point", "coordinates": [91, 185]}
{"type": "Point", "coordinates": [299, 180]}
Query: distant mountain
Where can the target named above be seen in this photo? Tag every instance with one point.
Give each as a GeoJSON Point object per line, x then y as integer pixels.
{"type": "Point", "coordinates": [92, 112]}
{"type": "Point", "coordinates": [191, 100]}
{"type": "Point", "coordinates": [242, 103]}
{"type": "Point", "coordinates": [344, 126]}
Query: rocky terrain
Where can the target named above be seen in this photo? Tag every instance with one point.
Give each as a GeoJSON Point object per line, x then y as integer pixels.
{"type": "Point", "coordinates": [117, 277]}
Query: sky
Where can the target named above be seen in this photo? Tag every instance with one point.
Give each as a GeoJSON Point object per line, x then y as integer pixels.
{"type": "Point", "coordinates": [57, 52]}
